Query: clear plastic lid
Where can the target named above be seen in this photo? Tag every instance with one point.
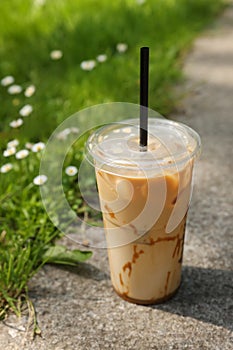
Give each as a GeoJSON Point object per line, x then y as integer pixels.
{"type": "Point", "coordinates": [116, 146]}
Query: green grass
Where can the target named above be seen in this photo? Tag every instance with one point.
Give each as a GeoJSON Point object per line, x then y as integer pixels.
{"type": "Point", "coordinates": [27, 236]}
{"type": "Point", "coordinates": [82, 30]}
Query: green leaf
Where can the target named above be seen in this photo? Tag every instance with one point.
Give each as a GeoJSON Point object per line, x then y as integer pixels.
{"type": "Point", "coordinates": [59, 254]}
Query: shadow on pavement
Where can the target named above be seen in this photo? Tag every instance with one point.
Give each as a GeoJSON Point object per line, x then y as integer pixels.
{"type": "Point", "coordinates": [85, 270]}
{"type": "Point", "coordinates": [205, 294]}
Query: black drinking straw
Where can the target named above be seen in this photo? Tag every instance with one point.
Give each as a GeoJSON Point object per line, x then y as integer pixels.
{"type": "Point", "coordinates": [144, 81]}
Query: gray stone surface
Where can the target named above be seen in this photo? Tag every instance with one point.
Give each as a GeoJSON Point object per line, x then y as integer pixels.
{"type": "Point", "coordinates": [77, 308]}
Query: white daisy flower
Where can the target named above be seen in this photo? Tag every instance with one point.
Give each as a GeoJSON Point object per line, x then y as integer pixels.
{"type": "Point", "coordinates": [74, 130]}
{"type": "Point", "coordinates": [9, 152]}
{"type": "Point", "coordinates": [40, 180]}
{"type": "Point", "coordinates": [140, 2]}
{"type": "Point", "coordinates": [102, 58]}
{"type": "Point", "coordinates": [37, 147]}
{"type": "Point", "coordinates": [28, 145]}
{"type": "Point", "coordinates": [8, 80]}
{"type": "Point", "coordinates": [63, 134]}
{"type": "Point", "coordinates": [5, 168]}
{"type": "Point", "coordinates": [39, 2]}
{"type": "Point", "coordinates": [56, 54]}
{"type": "Point", "coordinates": [122, 47]}
{"type": "Point", "coordinates": [23, 153]}
{"type": "Point", "coordinates": [88, 65]}
{"type": "Point", "coordinates": [30, 90]}
{"type": "Point", "coordinates": [14, 89]}
{"type": "Point", "coordinates": [71, 170]}
{"type": "Point", "coordinates": [16, 123]}
{"type": "Point", "coordinates": [13, 143]}
{"type": "Point", "coordinates": [26, 110]}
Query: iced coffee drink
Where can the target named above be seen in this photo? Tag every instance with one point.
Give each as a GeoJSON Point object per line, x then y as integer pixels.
{"type": "Point", "coordinates": [144, 199]}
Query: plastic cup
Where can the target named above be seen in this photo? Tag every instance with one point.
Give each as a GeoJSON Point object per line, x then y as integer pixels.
{"type": "Point", "coordinates": [144, 199]}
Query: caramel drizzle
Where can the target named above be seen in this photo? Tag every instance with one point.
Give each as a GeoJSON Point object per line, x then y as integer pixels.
{"type": "Point", "coordinates": [178, 247]}
{"type": "Point", "coordinates": [136, 255]}
{"type": "Point", "coordinates": [128, 266]}
{"type": "Point", "coordinates": [110, 212]}
{"type": "Point", "coordinates": [121, 280]}
{"type": "Point", "coordinates": [122, 284]}
{"type": "Point", "coordinates": [167, 280]}
{"type": "Point", "coordinates": [163, 239]}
